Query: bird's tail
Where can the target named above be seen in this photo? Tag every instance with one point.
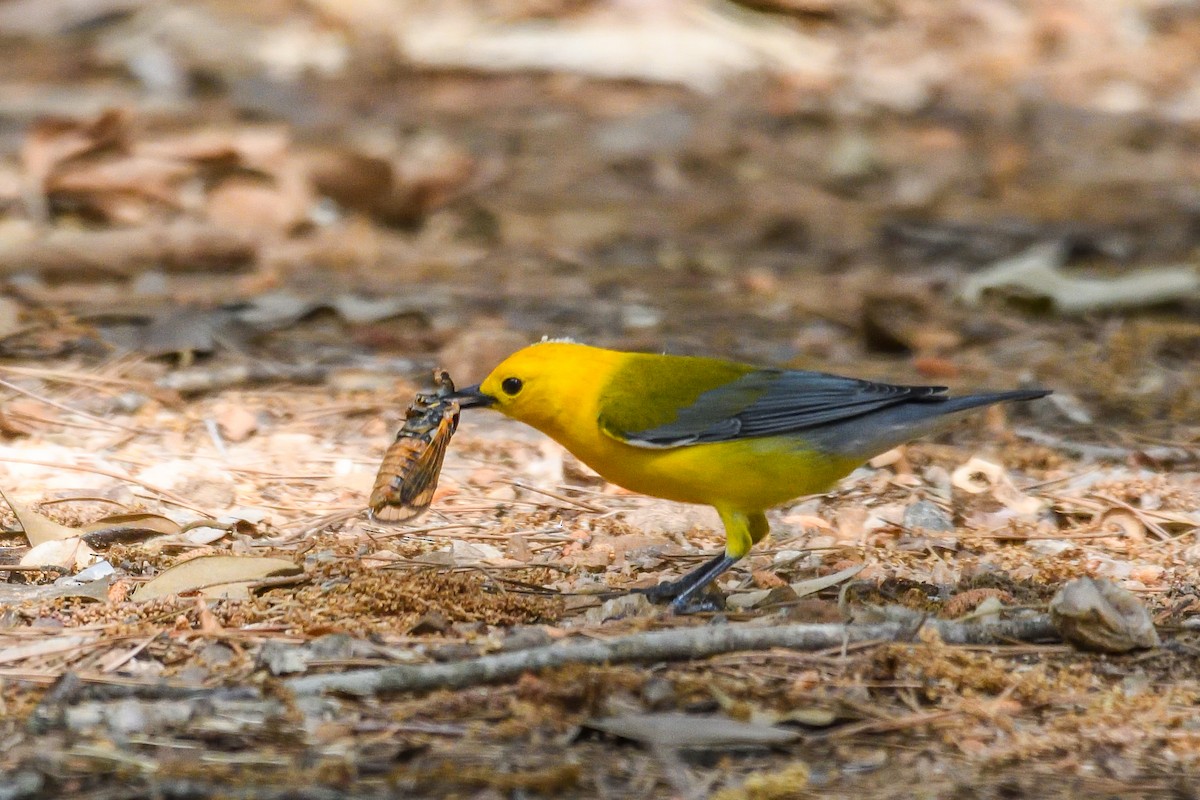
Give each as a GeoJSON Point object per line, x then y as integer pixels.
{"type": "Point", "coordinates": [952, 405]}
{"type": "Point", "coordinates": [875, 432]}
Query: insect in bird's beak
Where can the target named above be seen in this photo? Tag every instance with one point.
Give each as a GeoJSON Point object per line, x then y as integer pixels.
{"type": "Point", "coordinates": [471, 397]}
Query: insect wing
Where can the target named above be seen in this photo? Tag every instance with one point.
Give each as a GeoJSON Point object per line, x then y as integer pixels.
{"type": "Point", "coordinates": [409, 473]}
{"type": "Point", "coordinates": [422, 479]}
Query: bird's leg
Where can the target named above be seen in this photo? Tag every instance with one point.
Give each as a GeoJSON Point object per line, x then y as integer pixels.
{"type": "Point", "coordinates": [697, 581]}
{"type": "Point", "coordinates": [689, 584]}
{"type": "Point", "coordinates": [741, 532]}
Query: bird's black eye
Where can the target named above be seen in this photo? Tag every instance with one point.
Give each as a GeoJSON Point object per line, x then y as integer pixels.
{"type": "Point", "coordinates": [511, 386]}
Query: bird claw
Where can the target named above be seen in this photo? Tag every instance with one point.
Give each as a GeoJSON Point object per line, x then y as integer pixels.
{"type": "Point", "coordinates": [693, 592]}
{"type": "Point", "coordinates": [707, 602]}
{"type": "Point", "coordinates": [683, 601]}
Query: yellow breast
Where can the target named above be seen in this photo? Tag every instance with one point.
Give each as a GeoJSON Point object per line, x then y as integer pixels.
{"type": "Point", "coordinates": [747, 475]}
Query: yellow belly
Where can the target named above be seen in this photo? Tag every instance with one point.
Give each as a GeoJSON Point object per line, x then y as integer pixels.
{"type": "Point", "coordinates": [748, 475]}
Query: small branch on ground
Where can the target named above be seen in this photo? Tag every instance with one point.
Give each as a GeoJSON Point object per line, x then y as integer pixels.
{"type": "Point", "coordinates": [176, 247]}
{"type": "Point", "coordinates": [681, 643]}
{"type": "Point", "coordinates": [199, 381]}
{"type": "Point", "coordinates": [1161, 454]}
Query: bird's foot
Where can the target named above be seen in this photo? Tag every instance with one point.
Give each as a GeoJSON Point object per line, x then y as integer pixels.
{"type": "Point", "coordinates": [682, 601]}
{"type": "Point", "coordinates": [662, 592]}
{"type": "Point", "coordinates": [710, 601]}
{"type": "Point", "coordinates": [694, 591]}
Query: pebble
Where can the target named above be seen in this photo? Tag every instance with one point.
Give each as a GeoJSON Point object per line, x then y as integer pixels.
{"type": "Point", "coordinates": [926, 515]}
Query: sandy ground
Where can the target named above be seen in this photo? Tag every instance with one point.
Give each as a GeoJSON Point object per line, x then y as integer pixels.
{"type": "Point", "coordinates": [236, 243]}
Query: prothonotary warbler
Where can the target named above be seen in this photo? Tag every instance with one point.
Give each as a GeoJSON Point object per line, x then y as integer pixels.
{"type": "Point", "coordinates": [739, 438]}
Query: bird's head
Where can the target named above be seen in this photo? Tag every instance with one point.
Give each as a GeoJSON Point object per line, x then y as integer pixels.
{"type": "Point", "coordinates": [543, 384]}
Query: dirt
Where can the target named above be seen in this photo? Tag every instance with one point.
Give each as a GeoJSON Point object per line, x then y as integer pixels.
{"type": "Point", "coordinates": [235, 243]}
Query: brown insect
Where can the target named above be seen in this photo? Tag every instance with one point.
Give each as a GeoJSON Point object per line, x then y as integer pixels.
{"type": "Point", "coordinates": [409, 473]}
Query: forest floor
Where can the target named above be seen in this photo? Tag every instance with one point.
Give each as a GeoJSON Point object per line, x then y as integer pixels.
{"type": "Point", "coordinates": [223, 292]}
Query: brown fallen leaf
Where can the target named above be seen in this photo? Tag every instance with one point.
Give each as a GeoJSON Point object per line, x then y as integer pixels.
{"type": "Point", "coordinates": [123, 528]}
{"type": "Point", "coordinates": [1123, 525]}
{"type": "Point", "coordinates": [12, 429]}
{"type": "Point", "coordinates": [38, 528]}
{"type": "Point", "coordinates": [236, 422]}
{"type": "Point", "coordinates": [807, 521]}
{"type": "Point", "coordinates": [766, 579]}
{"type": "Point", "coordinates": [1099, 615]}
{"type": "Point", "coordinates": [54, 142]}
{"type": "Point", "coordinates": [215, 576]}
{"type": "Point", "coordinates": [208, 621]}
{"type": "Point", "coordinates": [518, 549]}
{"type": "Point", "coordinates": [256, 204]}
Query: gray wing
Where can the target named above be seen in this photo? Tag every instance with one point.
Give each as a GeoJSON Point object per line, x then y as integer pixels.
{"type": "Point", "coordinates": [772, 402]}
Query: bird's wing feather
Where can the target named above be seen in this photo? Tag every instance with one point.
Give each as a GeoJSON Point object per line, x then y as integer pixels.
{"type": "Point", "coordinates": [761, 403]}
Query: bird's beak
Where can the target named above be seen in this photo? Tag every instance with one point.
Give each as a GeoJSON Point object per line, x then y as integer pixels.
{"type": "Point", "coordinates": [471, 397]}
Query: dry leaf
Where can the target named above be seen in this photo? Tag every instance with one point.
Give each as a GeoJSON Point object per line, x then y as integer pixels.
{"type": "Point", "coordinates": [1099, 615]}
{"type": "Point", "coordinates": [468, 553]}
{"type": "Point", "coordinates": [208, 621]}
{"type": "Point", "coordinates": [55, 141]}
{"type": "Point", "coordinates": [814, 585]}
{"type": "Point", "coordinates": [518, 548]}
{"type": "Point", "coordinates": [1038, 272]}
{"type": "Point", "coordinates": [766, 579]}
{"type": "Point", "coordinates": [851, 523]}
{"type": "Point", "coordinates": [43, 647]}
{"type": "Point", "coordinates": [236, 422]}
{"type": "Point", "coordinates": [24, 592]}
{"type": "Point", "coordinates": [1123, 525]}
{"type": "Point", "coordinates": [1015, 500]}
{"type": "Point", "coordinates": [138, 521]}
{"type": "Point", "coordinates": [72, 553]}
{"type": "Point", "coordinates": [39, 529]}
{"type": "Point", "coordinates": [745, 600]}
{"type": "Point", "coordinates": [807, 521]}
{"type": "Point", "coordinates": [251, 203]}
{"type": "Point", "coordinates": [675, 730]}
{"type": "Point", "coordinates": [888, 458]}
{"type": "Point", "coordinates": [122, 528]}
{"type": "Point", "coordinates": [215, 576]}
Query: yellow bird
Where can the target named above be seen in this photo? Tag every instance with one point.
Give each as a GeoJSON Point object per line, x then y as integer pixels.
{"type": "Point", "coordinates": [742, 439]}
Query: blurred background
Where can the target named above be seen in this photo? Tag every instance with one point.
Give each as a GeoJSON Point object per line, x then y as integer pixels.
{"type": "Point", "coordinates": [235, 237]}
{"type": "Point", "coordinates": [976, 192]}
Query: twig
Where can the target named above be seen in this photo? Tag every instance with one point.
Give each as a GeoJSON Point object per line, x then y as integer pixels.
{"type": "Point", "coordinates": [916, 720]}
{"type": "Point", "coordinates": [35, 568]}
{"type": "Point", "coordinates": [76, 378]}
{"type": "Point", "coordinates": [429, 530]}
{"type": "Point", "coordinates": [681, 643]}
{"type": "Point", "coordinates": [555, 496]}
{"type": "Point", "coordinates": [12, 387]}
{"type": "Point", "coordinates": [1160, 454]}
{"type": "Point", "coordinates": [165, 494]}
{"type": "Point", "coordinates": [199, 381]}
